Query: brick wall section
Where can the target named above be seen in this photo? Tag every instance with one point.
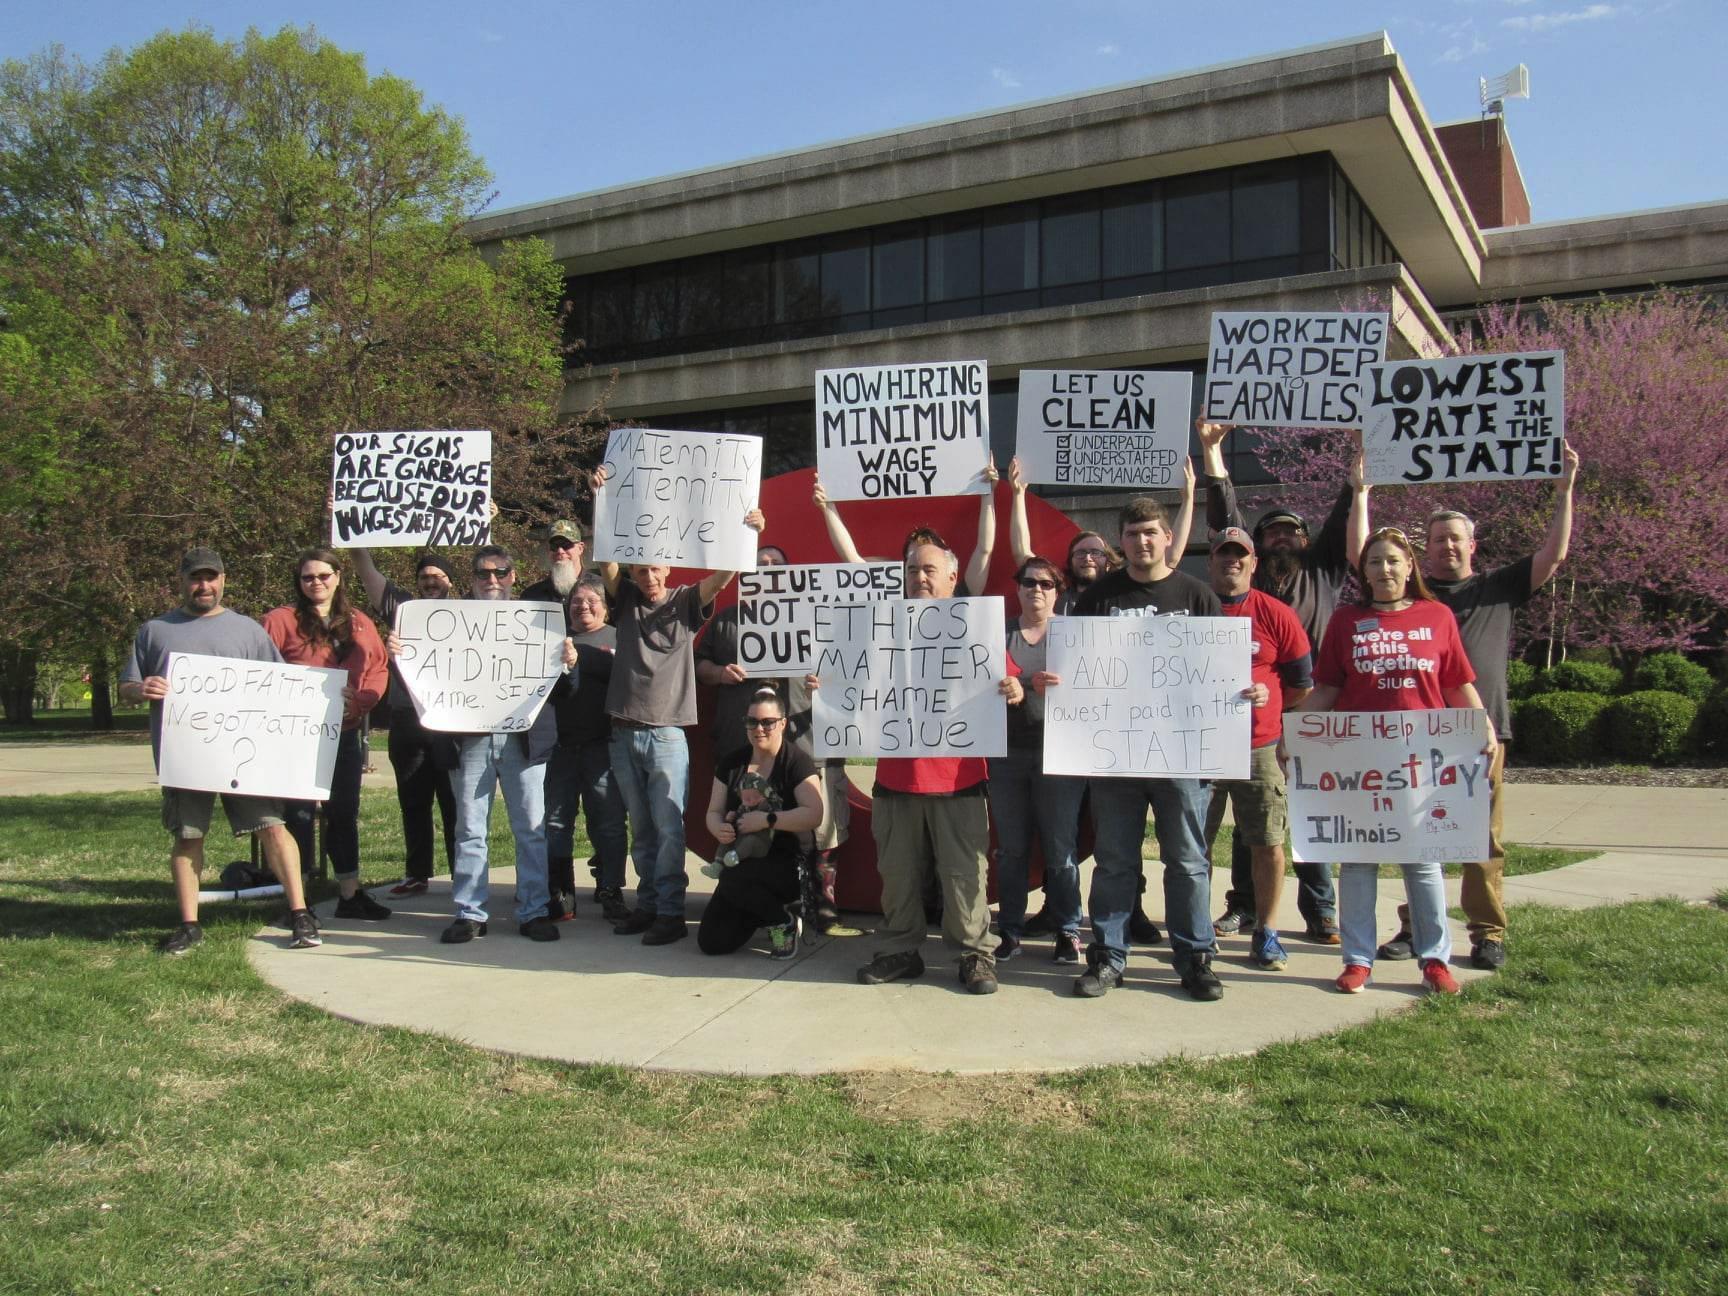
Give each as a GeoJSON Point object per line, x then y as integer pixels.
{"type": "Point", "coordinates": [1481, 156]}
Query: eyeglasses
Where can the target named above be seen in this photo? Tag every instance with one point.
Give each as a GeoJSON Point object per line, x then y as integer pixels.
{"type": "Point", "coordinates": [560, 544]}
{"type": "Point", "coordinates": [320, 577]}
{"type": "Point", "coordinates": [492, 573]}
{"type": "Point", "coordinates": [1090, 555]}
{"type": "Point", "coordinates": [1031, 583]}
{"type": "Point", "coordinates": [765, 722]}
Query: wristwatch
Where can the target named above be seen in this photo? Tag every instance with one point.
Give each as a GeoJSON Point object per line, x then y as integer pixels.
{"type": "Point", "coordinates": [773, 818]}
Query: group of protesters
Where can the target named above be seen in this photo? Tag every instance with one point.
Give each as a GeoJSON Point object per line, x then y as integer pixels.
{"type": "Point", "coordinates": [610, 743]}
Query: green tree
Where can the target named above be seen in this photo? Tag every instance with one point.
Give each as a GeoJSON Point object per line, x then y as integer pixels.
{"type": "Point", "coordinates": [214, 256]}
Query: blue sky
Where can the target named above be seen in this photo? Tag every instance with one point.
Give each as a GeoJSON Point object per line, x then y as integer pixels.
{"type": "Point", "coordinates": [1627, 111]}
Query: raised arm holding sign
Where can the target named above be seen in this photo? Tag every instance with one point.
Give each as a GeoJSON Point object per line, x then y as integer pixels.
{"type": "Point", "coordinates": [677, 499]}
{"type": "Point", "coordinates": [892, 431]}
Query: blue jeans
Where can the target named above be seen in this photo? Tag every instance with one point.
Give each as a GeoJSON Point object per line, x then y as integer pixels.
{"type": "Point", "coordinates": [485, 763]}
{"type": "Point", "coordinates": [652, 767]}
{"type": "Point", "coordinates": [1024, 798]}
{"type": "Point", "coordinates": [1119, 824]}
{"type": "Point", "coordinates": [580, 774]}
{"type": "Point", "coordinates": [1424, 892]}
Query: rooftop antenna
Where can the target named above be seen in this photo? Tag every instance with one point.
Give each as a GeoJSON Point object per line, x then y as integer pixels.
{"type": "Point", "coordinates": [1496, 91]}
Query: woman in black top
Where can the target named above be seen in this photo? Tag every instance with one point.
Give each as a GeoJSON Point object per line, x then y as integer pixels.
{"type": "Point", "coordinates": [758, 889]}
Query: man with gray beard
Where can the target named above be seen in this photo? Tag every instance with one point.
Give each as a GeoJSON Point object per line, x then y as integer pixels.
{"type": "Point", "coordinates": [564, 550]}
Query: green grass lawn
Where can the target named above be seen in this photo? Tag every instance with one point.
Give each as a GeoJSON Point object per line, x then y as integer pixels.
{"type": "Point", "coordinates": [177, 1125]}
{"type": "Point", "coordinates": [131, 724]}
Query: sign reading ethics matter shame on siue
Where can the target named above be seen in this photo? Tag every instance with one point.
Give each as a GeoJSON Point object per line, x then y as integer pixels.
{"type": "Point", "coordinates": [1120, 427]}
{"type": "Point", "coordinates": [250, 728]}
{"type": "Point", "coordinates": [1465, 418]}
{"type": "Point", "coordinates": [910, 677]}
{"type": "Point", "coordinates": [1148, 697]}
{"type": "Point", "coordinates": [678, 499]}
{"type": "Point", "coordinates": [478, 665]}
{"type": "Point", "coordinates": [893, 431]}
{"type": "Point", "coordinates": [1291, 370]}
{"type": "Point", "coordinates": [777, 609]}
{"type": "Point", "coordinates": [411, 488]}
{"type": "Point", "coordinates": [1387, 787]}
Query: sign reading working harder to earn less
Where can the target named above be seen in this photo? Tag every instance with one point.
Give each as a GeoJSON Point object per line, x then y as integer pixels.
{"type": "Point", "coordinates": [892, 431]}
{"type": "Point", "coordinates": [250, 728]}
{"type": "Point", "coordinates": [1465, 418]}
{"type": "Point", "coordinates": [910, 677]}
{"type": "Point", "coordinates": [1148, 697]}
{"type": "Point", "coordinates": [1387, 787]}
{"type": "Point", "coordinates": [777, 609]}
{"type": "Point", "coordinates": [478, 666]}
{"type": "Point", "coordinates": [1291, 370]}
{"type": "Point", "coordinates": [1120, 427]}
{"type": "Point", "coordinates": [411, 488]}
{"type": "Point", "coordinates": [678, 499]}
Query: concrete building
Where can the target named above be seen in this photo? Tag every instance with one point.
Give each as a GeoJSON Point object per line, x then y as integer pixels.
{"type": "Point", "coordinates": [1101, 230]}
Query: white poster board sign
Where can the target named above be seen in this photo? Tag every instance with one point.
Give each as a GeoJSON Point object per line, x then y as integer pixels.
{"type": "Point", "coordinates": [250, 728]}
{"type": "Point", "coordinates": [1465, 418]}
{"type": "Point", "coordinates": [777, 609]}
{"type": "Point", "coordinates": [910, 677]}
{"type": "Point", "coordinates": [1110, 427]}
{"type": "Point", "coordinates": [1284, 370]}
{"type": "Point", "coordinates": [678, 499]}
{"type": "Point", "coordinates": [1387, 787]}
{"type": "Point", "coordinates": [411, 488]}
{"type": "Point", "coordinates": [478, 665]}
{"type": "Point", "coordinates": [892, 431]}
{"type": "Point", "coordinates": [1148, 697]}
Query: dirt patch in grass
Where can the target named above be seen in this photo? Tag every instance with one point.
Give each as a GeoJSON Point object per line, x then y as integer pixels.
{"type": "Point", "coordinates": [937, 1101]}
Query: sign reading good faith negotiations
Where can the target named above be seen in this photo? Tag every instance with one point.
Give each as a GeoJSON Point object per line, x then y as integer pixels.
{"type": "Point", "coordinates": [1118, 427]}
{"type": "Point", "coordinates": [1148, 697]}
{"type": "Point", "coordinates": [678, 499]}
{"type": "Point", "coordinates": [777, 609]}
{"type": "Point", "coordinates": [1291, 370]}
{"type": "Point", "coordinates": [250, 728]}
{"type": "Point", "coordinates": [910, 677]}
{"type": "Point", "coordinates": [1465, 418]}
{"type": "Point", "coordinates": [1387, 787]}
{"type": "Point", "coordinates": [479, 666]}
{"type": "Point", "coordinates": [892, 431]}
{"type": "Point", "coordinates": [411, 488]}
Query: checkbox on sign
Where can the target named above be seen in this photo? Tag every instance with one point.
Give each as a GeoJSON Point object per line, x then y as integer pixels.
{"type": "Point", "coordinates": [1064, 441]}
{"type": "Point", "coordinates": [1063, 458]}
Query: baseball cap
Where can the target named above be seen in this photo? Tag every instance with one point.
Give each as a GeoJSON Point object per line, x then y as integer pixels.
{"type": "Point", "coordinates": [1233, 536]}
{"type": "Point", "coordinates": [197, 560]}
{"type": "Point", "coordinates": [565, 529]}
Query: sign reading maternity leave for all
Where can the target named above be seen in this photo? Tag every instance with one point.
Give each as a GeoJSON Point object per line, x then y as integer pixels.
{"type": "Point", "coordinates": [250, 728]}
{"type": "Point", "coordinates": [910, 677]}
{"type": "Point", "coordinates": [1103, 427]}
{"type": "Point", "coordinates": [411, 488]}
{"type": "Point", "coordinates": [678, 499]}
{"type": "Point", "coordinates": [1465, 418]}
{"type": "Point", "coordinates": [1387, 787]}
{"type": "Point", "coordinates": [477, 666]}
{"type": "Point", "coordinates": [891, 431]}
{"type": "Point", "coordinates": [777, 609]}
{"type": "Point", "coordinates": [1148, 697]}
{"type": "Point", "coordinates": [1291, 370]}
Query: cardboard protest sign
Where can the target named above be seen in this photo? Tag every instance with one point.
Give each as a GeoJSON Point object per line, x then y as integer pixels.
{"type": "Point", "coordinates": [478, 665]}
{"type": "Point", "coordinates": [1387, 787]}
{"type": "Point", "coordinates": [777, 609]}
{"type": "Point", "coordinates": [890, 431]}
{"type": "Point", "coordinates": [1291, 370]}
{"type": "Point", "coordinates": [678, 499]}
{"type": "Point", "coordinates": [250, 728]}
{"type": "Point", "coordinates": [411, 488]}
{"type": "Point", "coordinates": [1148, 697]}
{"type": "Point", "coordinates": [1465, 418]}
{"type": "Point", "coordinates": [910, 677]}
{"type": "Point", "coordinates": [1113, 427]}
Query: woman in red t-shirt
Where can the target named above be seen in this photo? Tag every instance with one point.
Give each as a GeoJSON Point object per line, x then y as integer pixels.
{"type": "Point", "coordinates": [1397, 650]}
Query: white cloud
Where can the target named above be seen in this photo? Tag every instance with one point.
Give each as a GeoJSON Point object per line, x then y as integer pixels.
{"type": "Point", "coordinates": [1560, 18]}
{"type": "Point", "coordinates": [1003, 77]}
{"type": "Point", "coordinates": [490, 37]}
{"type": "Point", "coordinates": [1460, 51]}
{"type": "Point", "coordinates": [1108, 49]}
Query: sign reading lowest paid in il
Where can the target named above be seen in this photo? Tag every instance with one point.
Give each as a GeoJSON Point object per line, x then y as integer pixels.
{"type": "Point", "coordinates": [894, 431]}
{"type": "Point", "coordinates": [411, 488]}
{"type": "Point", "coordinates": [1089, 427]}
{"type": "Point", "coordinates": [479, 665]}
{"type": "Point", "coordinates": [678, 499]}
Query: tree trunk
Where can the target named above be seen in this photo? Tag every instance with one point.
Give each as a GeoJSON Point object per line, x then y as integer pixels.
{"type": "Point", "coordinates": [101, 700]}
{"type": "Point", "coordinates": [18, 684]}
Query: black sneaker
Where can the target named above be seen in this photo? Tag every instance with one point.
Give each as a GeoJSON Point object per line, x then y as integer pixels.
{"type": "Point", "coordinates": [181, 939]}
{"type": "Point", "coordinates": [1067, 949]}
{"type": "Point", "coordinates": [1232, 921]}
{"type": "Point", "coordinates": [462, 931]}
{"type": "Point", "coordinates": [1009, 948]}
{"type": "Point", "coordinates": [1098, 980]}
{"type": "Point", "coordinates": [361, 906]}
{"type": "Point", "coordinates": [665, 929]}
{"type": "Point", "coordinates": [1200, 981]}
{"type": "Point", "coordinates": [892, 967]}
{"type": "Point", "coordinates": [303, 930]}
{"type": "Point", "coordinates": [639, 921]}
{"type": "Point", "coordinates": [612, 905]}
{"type": "Point", "coordinates": [1039, 924]}
{"type": "Point", "coordinates": [1488, 955]}
{"type": "Point", "coordinates": [543, 928]}
{"type": "Point", "coordinates": [1402, 946]}
{"type": "Point", "coordinates": [1142, 930]}
{"type": "Point", "coordinates": [977, 974]}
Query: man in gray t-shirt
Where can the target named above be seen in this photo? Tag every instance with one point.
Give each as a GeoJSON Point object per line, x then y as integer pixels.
{"type": "Point", "coordinates": [202, 626]}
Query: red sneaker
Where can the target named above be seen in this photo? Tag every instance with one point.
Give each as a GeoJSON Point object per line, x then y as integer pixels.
{"type": "Point", "coordinates": [1438, 977]}
{"type": "Point", "coordinates": [1353, 978]}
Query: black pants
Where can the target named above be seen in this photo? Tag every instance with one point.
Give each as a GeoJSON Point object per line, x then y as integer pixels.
{"type": "Point", "coordinates": [750, 895]}
{"type": "Point", "coordinates": [418, 783]}
{"type": "Point", "coordinates": [341, 813]}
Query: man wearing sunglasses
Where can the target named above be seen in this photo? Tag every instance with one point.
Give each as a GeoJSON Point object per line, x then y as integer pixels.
{"type": "Point", "coordinates": [564, 550]}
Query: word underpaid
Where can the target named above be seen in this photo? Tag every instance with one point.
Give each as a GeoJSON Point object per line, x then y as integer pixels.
{"type": "Point", "coordinates": [1103, 427]}
{"type": "Point", "coordinates": [1291, 370]}
{"type": "Point", "coordinates": [894, 431]}
{"type": "Point", "coordinates": [411, 488]}
{"type": "Point", "coordinates": [678, 499]}
{"type": "Point", "coordinates": [479, 666]}
{"type": "Point", "coordinates": [1466, 418]}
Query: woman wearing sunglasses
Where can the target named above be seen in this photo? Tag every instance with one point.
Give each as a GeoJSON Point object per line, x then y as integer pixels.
{"type": "Point", "coordinates": [321, 629]}
{"type": "Point", "coordinates": [1397, 650]}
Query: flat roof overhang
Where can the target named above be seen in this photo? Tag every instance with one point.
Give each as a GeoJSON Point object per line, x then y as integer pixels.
{"type": "Point", "coordinates": [1628, 250]}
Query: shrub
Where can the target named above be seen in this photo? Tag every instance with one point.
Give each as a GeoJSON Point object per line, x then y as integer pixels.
{"type": "Point", "coordinates": [1649, 727]}
{"type": "Point", "coordinates": [1710, 730]}
{"type": "Point", "coordinates": [1520, 677]}
{"type": "Point", "coordinates": [1577, 677]}
{"type": "Point", "coordinates": [1560, 728]}
{"type": "Point", "coordinates": [1671, 672]}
